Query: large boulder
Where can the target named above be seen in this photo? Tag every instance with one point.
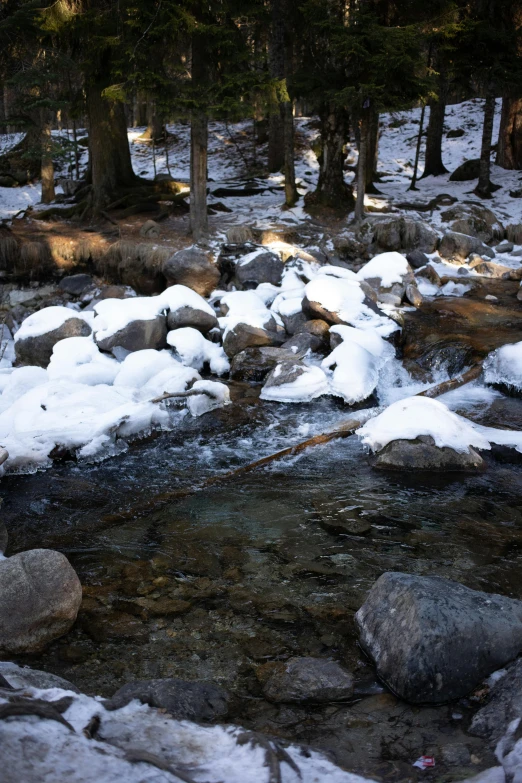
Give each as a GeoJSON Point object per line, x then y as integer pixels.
{"type": "Point", "coordinates": [474, 220]}
{"type": "Point", "coordinates": [199, 701]}
{"type": "Point", "coordinates": [388, 274]}
{"type": "Point", "coordinates": [245, 335]}
{"type": "Point", "coordinates": [76, 285]}
{"type": "Point", "coordinates": [433, 640]}
{"type": "Point", "coordinates": [259, 266]}
{"type": "Point", "coordinates": [253, 364]}
{"type": "Point", "coordinates": [423, 454]}
{"type": "Point", "coordinates": [404, 233]}
{"type": "Point", "coordinates": [192, 267]}
{"type": "Point", "coordinates": [41, 595]}
{"type": "Point", "coordinates": [455, 246]}
{"type": "Point", "coordinates": [186, 308]}
{"type": "Point", "coordinates": [137, 335]}
{"type": "Point", "coordinates": [467, 171]}
{"type": "Point", "coordinates": [309, 679]}
{"type": "Point", "coordinates": [39, 333]}
{"type": "Point", "coordinates": [23, 677]}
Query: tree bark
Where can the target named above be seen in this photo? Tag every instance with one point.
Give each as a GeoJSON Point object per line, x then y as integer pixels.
{"type": "Point", "coordinates": [483, 189]}
{"type": "Point", "coordinates": [47, 170]}
{"type": "Point", "coordinates": [111, 167]}
{"type": "Point", "coordinates": [372, 153]}
{"type": "Point", "coordinates": [332, 190]}
{"type": "Point", "coordinates": [362, 163]}
{"type": "Point", "coordinates": [287, 114]}
{"type": "Point", "coordinates": [199, 143]}
{"type": "Point", "coordinates": [155, 128]}
{"type": "Point", "coordinates": [276, 55]}
{"type": "Point", "coordinates": [509, 154]}
{"type": "Point", "coordinates": [433, 165]}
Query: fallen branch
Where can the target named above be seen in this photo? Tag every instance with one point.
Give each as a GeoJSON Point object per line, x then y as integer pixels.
{"type": "Point", "coordinates": [181, 395]}
{"type": "Point", "coordinates": [453, 383]}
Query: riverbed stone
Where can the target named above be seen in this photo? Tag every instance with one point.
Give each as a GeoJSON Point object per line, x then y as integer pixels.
{"type": "Point", "coordinates": [263, 266]}
{"type": "Point", "coordinates": [24, 677]}
{"type": "Point", "coordinates": [303, 342]}
{"type": "Point", "coordinates": [191, 316]}
{"type": "Point", "coordinates": [309, 679]}
{"type": "Point", "coordinates": [192, 267]}
{"type": "Point", "coordinates": [200, 701]}
{"type": "Point", "coordinates": [38, 350]}
{"type": "Point", "coordinates": [455, 246]}
{"type": "Point", "coordinates": [253, 364]}
{"type": "Point", "coordinates": [423, 454]}
{"type": "Point", "coordinates": [505, 704]}
{"type": "Point", "coordinates": [41, 595]}
{"type": "Point", "coordinates": [245, 335]}
{"type": "Point", "coordinates": [76, 284]}
{"type": "Point", "coordinates": [137, 336]}
{"type": "Point", "coordinates": [434, 640]}
{"type": "Point", "coordinates": [417, 259]}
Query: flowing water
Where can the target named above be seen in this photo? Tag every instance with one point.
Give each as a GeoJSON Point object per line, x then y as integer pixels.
{"type": "Point", "coordinates": [224, 583]}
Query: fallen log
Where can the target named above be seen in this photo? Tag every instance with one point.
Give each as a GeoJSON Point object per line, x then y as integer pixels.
{"type": "Point", "coordinates": [346, 429]}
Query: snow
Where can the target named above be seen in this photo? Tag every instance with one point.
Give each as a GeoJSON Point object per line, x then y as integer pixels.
{"type": "Point", "coordinates": [79, 359]}
{"type": "Point", "coordinates": [505, 366]}
{"type": "Point", "coordinates": [113, 315]}
{"type": "Point", "coordinates": [177, 296]}
{"type": "Point", "coordinates": [414, 416]}
{"type": "Point", "coordinates": [390, 268]}
{"type": "Point", "coordinates": [202, 403]}
{"type": "Point", "coordinates": [244, 307]}
{"type": "Point", "coordinates": [47, 320]}
{"type": "Point", "coordinates": [345, 298]}
{"type": "Point", "coordinates": [306, 387]}
{"type": "Point", "coordinates": [38, 750]}
{"type": "Point", "coordinates": [195, 351]}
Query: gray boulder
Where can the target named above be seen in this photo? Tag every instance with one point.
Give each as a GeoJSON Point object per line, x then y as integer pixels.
{"type": "Point", "coordinates": [417, 259]}
{"type": "Point", "coordinates": [413, 295]}
{"type": "Point", "coordinates": [505, 247]}
{"type": "Point", "coordinates": [404, 233]}
{"type": "Point", "coordinates": [246, 336]}
{"type": "Point", "coordinates": [76, 284]}
{"type": "Point", "coordinates": [239, 235]}
{"type": "Point", "coordinates": [423, 454]}
{"type": "Point", "coordinates": [457, 247]}
{"type": "Point", "coordinates": [136, 336]}
{"type": "Point", "coordinates": [199, 701]}
{"type": "Point", "coordinates": [190, 316]}
{"type": "Point", "coordinates": [193, 268]}
{"type": "Point", "coordinates": [259, 267]}
{"type": "Point", "coordinates": [309, 679]}
{"type": "Point", "coordinates": [23, 677]}
{"type": "Point", "coordinates": [38, 350]}
{"type": "Point", "coordinates": [41, 595]}
{"type": "Point", "coordinates": [150, 229]}
{"type": "Point", "coordinates": [253, 364]}
{"type": "Point", "coordinates": [468, 170]}
{"type": "Point", "coordinates": [433, 640]}
{"type": "Point", "coordinates": [302, 342]}
{"type": "Point", "coordinates": [505, 704]}
{"type": "Point", "coordinates": [474, 220]}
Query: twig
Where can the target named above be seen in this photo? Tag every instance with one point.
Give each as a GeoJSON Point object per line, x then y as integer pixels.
{"type": "Point", "coordinates": [182, 395]}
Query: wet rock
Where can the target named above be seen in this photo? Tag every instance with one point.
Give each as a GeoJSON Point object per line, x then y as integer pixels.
{"type": "Point", "coordinates": [413, 295]}
{"type": "Point", "coordinates": [23, 677]}
{"type": "Point", "coordinates": [261, 266]}
{"type": "Point", "coordinates": [433, 640]}
{"type": "Point", "coordinates": [455, 755]}
{"type": "Point", "coordinates": [137, 336]}
{"type": "Point", "coordinates": [150, 229]}
{"type": "Point", "coordinates": [76, 284]}
{"type": "Point", "coordinates": [423, 454]}
{"type": "Point", "coordinates": [430, 273]}
{"type": "Point", "coordinates": [243, 336]}
{"type": "Point", "coordinates": [342, 519]}
{"type": "Point", "coordinates": [303, 342]}
{"type": "Point", "coordinates": [492, 269]}
{"type": "Point", "coordinates": [404, 233]}
{"type": "Point", "coordinates": [200, 701]}
{"type": "Point", "coordinates": [41, 595]}
{"type": "Point", "coordinates": [37, 350]}
{"type": "Point", "coordinates": [193, 268]}
{"type": "Point", "coordinates": [505, 247]}
{"type": "Point", "coordinates": [417, 259]}
{"type": "Point", "coordinates": [190, 316]}
{"type": "Point", "coordinates": [505, 704]}
{"type": "Point", "coordinates": [253, 364]}
{"type": "Point", "coordinates": [309, 679]}
{"type": "Point", "coordinates": [474, 220]}
{"type": "Point", "coordinates": [468, 170]}
{"type": "Point", "coordinates": [457, 247]}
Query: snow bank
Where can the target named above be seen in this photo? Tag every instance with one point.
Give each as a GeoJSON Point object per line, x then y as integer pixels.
{"type": "Point", "coordinates": [414, 416]}
{"type": "Point", "coordinates": [79, 359]}
{"type": "Point", "coordinates": [390, 268]}
{"type": "Point", "coordinates": [47, 320]}
{"type": "Point", "coordinates": [505, 366]}
{"type": "Point", "coordinates": [209, 753]}
{"type": "Point", "coordinates": [195, 351]}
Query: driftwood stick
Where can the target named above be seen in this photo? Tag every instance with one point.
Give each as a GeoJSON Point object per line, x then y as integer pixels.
{"type": "Point", "coordinates": [181, 395]}
{"type": "Point", "coordinates": [453, 383]}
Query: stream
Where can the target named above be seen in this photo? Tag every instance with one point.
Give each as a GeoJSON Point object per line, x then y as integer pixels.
{"type": "Point", "coordinates": [224, 583]}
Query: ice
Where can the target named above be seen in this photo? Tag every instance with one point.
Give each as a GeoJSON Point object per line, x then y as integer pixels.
{"type": "Point", "coordinates": [140, 366]}
{"type": "Point", "coordinates": [389, 267]}
{"type": "Point", "coordinates": [505, 366]}
{"type": "Point", "coordinates": [454, 289]}
{"type": "Point", "coordinates": [195, 351]}
{"type": "Point", "coordinates": [47, 320]}
{"type": "Point", "coordinates": [310, 384]}
{"type": "Point", "coordinates": [414, 416]}
{"type": "Point", "coordinates": [19, 382]}
{"type": "Point", "coordinates": [202, 403]}
{"type": "Point", "coordinates": [353, 366]}
{"type": "Point", "coordinates": [79, 359]}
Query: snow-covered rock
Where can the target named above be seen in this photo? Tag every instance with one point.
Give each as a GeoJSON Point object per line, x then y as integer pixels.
{"type": "Point", "coordinates": [342, 301]}
{"type": "Point", "coordinates": [259, 266]}
{"type": "Point", "coordinates": [294, 382]}
{"type": "Point", "coordinates": [247, 322]}
{"type": "Point", "coordinates": [504, 366]}
{"type": "Point", "coordinates": [187, 308]}
{"type": "Point", "coordinates": [133, 324]}
{"type": "Point", "coordinates": [213, 395]}
{"type": "Point", "coordinates": [195, 351]}
{"type": "Point", "coordinates": [79, 359]}
{"type": "Point", "coordinates": [388, 274]}
{"type": "Point", "coordinates": [39, 333]}
{"type": "Point", "coordinates": [193, 268]}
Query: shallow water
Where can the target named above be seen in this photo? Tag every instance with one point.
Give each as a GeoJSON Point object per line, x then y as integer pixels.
{"type": "Point", "coordinates": [225, 582]}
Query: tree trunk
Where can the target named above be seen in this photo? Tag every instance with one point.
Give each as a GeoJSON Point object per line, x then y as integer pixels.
{"type": "Point", "coordinates": [276, 54]}
{"type": "Point", "coordinates": [287, 115]}
{"type": "Point", "coordinates": [332, 190]}
{"type": "Point", "coordinates": [111, 167]}
{"type": "Point", "coordinates": [199, 142]}
{"type": "Point", "coordinates": [155, 128]}
{"type": "Point", "coordinates": [373, 152]}
{"type": "Point", "coordinates": [483, 189]}
{"type": "Point", "coordinates": [509, 154]}
{"type": "Point", "coordinates": [433, 165]}
{"type": "Point", "coordinates": [47, 170]}
{"type": "Point", "coordinates": [361, 164]}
